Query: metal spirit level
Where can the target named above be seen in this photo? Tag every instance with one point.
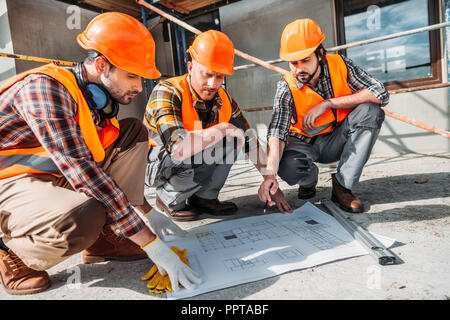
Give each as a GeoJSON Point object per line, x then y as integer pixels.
{"type": "Point", "coordinates": [382, 254]}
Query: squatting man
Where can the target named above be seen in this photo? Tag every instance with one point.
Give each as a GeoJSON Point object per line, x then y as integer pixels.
{"type": "Point", "coordinates": [71, 174]}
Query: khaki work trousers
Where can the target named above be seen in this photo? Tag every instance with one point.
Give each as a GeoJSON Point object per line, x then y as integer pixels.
{"type": "Point", "coordinates": [44, 221]}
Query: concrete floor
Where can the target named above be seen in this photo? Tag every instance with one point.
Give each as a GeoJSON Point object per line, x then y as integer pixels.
{"type": "Point", "coordinates": [407, 197]}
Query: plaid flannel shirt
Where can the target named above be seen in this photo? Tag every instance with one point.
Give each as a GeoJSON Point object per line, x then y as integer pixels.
{"type": "Point", "coordinates": [164, 112]}
{"type": "Point", "coordinates": [40, 111]}
{"type": "Point", "coordinates": [284, 107]}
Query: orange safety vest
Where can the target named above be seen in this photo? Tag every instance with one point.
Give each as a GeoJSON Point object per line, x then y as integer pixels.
{"type": "Point", "coordinates": [188, 113]}
{"type": "Point", "coordinates": [306, 98]}
{"type": "Point", "coordinates": [20, 160]}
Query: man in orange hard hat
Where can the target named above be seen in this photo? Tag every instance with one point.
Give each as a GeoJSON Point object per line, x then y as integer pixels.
{"type": "Point", "coordinates": [326, 109]}
{"type": "Point", "coordinates": [193, 126]}
{"type": "Point", "coordinates": [71, 174]}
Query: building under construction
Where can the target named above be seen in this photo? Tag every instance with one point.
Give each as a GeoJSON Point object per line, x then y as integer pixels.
{"type": "Point", "coordinates": [406, 183]}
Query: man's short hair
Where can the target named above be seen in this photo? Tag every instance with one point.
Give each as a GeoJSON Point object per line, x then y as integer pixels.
{"type": "Point", "coordinates": [321, 54]}
{"type": "Point", "coordinates": [92, 55]}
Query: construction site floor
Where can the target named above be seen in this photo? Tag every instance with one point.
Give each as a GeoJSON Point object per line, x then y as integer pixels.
{"type": "Point", "coordinates": [406, 197]}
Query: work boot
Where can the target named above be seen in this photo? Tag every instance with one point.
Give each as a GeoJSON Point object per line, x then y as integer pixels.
{"type": "Point", "coordinates": [185, 214]}
{"type": "Point", "coordinates": [17, 278]}
{"type": "Point", "coordinates": [212, 206]}
{"type": "Point", "coordinates": [306, 193]}
{"type": "Point", "coordinates": [345, 198]}
{"type": "Point", "coordinates": [109, 246]}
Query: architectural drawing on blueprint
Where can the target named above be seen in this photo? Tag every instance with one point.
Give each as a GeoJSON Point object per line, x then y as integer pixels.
{"type": "Point", "coordinates": [315, 233]}
{"type": "Point", "coordinates": [310, 230]}
{"type": "Point", "coordinates": [290, 254]}
{"type": "Point", "coordinates": [242, 264]}
{"type": "Point", "coordinates": [258, 231]}
{"type": "Point", "coordinates": [248, 249]}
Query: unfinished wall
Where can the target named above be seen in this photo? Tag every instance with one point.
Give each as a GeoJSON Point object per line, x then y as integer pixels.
{"type": "Point", "coordinates": [428, 106]}
{"type": "Point", "coordinates": [48, 29]}
{"type": "Point", "coordinates": [39, 28]}
{"type": "Point", "coordinates": [164, 59]}
{"type": "Point", "coordinates": [255, 27]}
{"type": "Point", "coordinates": [7, 65]}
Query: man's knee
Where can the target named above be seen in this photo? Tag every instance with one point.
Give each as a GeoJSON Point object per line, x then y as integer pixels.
{"type": "Point", "coordinates": [367, 115]}
{"type": "Point", "coordinates": [290, 179]}
{"type": "Point", "coordinates": [69, 234]}
{"type": "Point", "coordinates": [294, 166]}
{"type": "Point", "coordinates": [237, 123]}
{"type": "Point", "coordinates": [204, 173]}
{"type": "Point", "coordinates": [81, 226]}
{"type": "Point", "coordinates": [132, 131]}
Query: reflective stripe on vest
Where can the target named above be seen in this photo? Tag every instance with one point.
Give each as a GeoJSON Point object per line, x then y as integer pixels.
{"type": "Point", "coordinates": [15, 161]}
{"type": "Point", "coordinates": [26, 160]}
{"type": "Point", "coordinates": [306, 98]}
{"type": "Point", "coordinates": [189, 114]}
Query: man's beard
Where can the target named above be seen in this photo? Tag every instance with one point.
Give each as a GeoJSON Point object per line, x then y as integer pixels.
{"type": "Point", "coordinates": [310, 76]}
{"type": "Point", "coordinates": [307, 80]}
{"type": "Point", "coordinates": [123, 98]}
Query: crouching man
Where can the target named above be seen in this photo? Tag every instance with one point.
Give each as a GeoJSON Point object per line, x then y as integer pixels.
{"type": "Point", "coordinates": [71, 174]}
{"type": "Point", "coordinates": [196, 132]}
{"type": "Point", "coordinates": [326, 109]}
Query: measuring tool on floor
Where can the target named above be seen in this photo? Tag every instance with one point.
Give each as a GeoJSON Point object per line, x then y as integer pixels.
{"type": "Point", "coordinates": [382, 254]}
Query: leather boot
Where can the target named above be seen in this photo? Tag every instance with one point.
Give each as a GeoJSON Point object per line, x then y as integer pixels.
{"type": "Point", "coordinates": [306, 193]}
{"type": "Point", "coordinates": [109, 246]}
{"type": "Point", "coordinates": [17, 278]}
{"type": "Point", "coordinates": [345, 198]}
{"type": "Point", "coordinates": [212, 206]}
{"type": "Point", "coordinates": [185, 214]}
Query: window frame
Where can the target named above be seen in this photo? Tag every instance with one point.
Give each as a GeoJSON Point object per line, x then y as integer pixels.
{"type": "Point", "coordinates": [434, 42]}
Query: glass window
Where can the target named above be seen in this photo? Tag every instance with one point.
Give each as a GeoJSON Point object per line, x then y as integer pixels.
{"type": "Point", "coordinates": [400, 62]}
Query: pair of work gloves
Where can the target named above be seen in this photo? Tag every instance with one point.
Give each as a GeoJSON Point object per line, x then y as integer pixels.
{"type": "Point", "coordinates": [171, 267]}
{"type": "Point", "coordinates": [159, 283]}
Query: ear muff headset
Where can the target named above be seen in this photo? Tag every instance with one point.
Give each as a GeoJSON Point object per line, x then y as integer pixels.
{"type": "Point", "coordinates": [97, 97]}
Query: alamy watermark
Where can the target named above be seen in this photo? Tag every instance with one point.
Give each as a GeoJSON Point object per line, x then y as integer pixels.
{"type": "Point", "coordinates": [73, 21]}
{"type": "Point", "coordinates": [374, 280]}
{"type": "Point", "coordinates": [373, 21]}
{"type": "Point", "coordinates": [74, 280]}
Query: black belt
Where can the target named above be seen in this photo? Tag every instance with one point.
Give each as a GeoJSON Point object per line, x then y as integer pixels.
{"type": "Point", "coordinates": [307, 139]}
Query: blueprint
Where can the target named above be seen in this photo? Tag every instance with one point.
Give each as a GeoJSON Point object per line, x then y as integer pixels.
{"type": "Point", "coordinates": [238, 251]}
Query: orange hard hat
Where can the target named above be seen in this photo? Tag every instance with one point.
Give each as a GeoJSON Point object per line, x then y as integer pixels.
{"type": "Point", "coordinates": [300, 39]}
{"type": "Point", "coordinates": [124, 41]}
{"type": "Point", "coordinates": [214, 50]}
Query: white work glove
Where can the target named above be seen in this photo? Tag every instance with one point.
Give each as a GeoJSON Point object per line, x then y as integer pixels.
{"type": "Point", "coordinates": [163, 225]}
{"type": "Point", "coordinates": [169, 263]}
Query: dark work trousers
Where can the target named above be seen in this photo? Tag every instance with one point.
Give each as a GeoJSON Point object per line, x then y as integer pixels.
{"type": "Point", "coordinates": [203, 174]}
{"type": "Point", "coordinates": [350, 143]}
